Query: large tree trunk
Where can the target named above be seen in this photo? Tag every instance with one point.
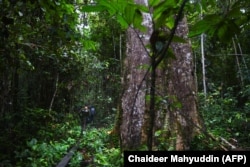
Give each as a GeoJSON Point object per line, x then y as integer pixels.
{"type": "Point", "coordinates": [134, 84]}
{"type": "Point", "coordinates": [133, 99]}
{"type": "Point", "coordinates": [183, 116]}
{"type": "Point", "coordinates": [175, 82]}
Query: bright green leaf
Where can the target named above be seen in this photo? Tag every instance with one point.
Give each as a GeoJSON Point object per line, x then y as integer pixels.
{"type": "Point", "coordinates": [129, 13]}
{"type": "Point", "coordinates": [209, 23]}
{"type": "Point", "coordinates": [122, 22]}
{"type": "Point", "coordinates": [164, 6]}
{"type": "Point", "coordinates": [170, 22]}
{"type": "Point", "coordinates": [158, 133]}
{"type": "Point", "coordinates": [138, 18]}
{"type": "Point", "coordinates": [161, 19]}
{"type": "Point", "coordinates": [154, 2]}
{"type": "Point", "coordinates": [112, 8]}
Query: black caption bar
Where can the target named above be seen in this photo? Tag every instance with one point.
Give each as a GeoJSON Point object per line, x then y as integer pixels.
{"type": "Point", "coordinates": [186, 158]}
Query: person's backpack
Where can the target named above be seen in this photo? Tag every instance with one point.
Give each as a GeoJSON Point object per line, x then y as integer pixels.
{"type": "Point", "coordinates": [92, 111]}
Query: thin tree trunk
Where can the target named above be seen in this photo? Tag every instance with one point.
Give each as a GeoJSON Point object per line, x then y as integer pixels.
{"type": "Point", "coordinates": [241, 53]}
{"type": "Point", "coordinates": [238, 63]}
{"type": "Point", "coordinates": [120, 52]}
{"type": "Point", "coordinates": [203, 66]}
{"type": "Point", "coordinates": [15, 86]}
{"type": "Point", "coordinates": [55, 92]}
{"type": "Point", "coordinates": [203, 58]}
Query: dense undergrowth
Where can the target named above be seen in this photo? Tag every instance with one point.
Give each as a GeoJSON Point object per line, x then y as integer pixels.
{"type": "Point", "coordinates": [42, 138]}
{"type": "Point", "coordinates": [96, 148]}
{"type": "Point", "coordinates": [227, 117]}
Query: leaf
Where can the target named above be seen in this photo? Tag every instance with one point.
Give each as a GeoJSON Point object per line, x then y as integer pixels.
{"type": "Point", "coordinates": [234, 13]}
{"type": "Point", "coordinates": [207, 5]}
{"type": "Point", "coordinates": [179, 39]}
{"type": "Point", "coordinates": [69, 8]}
{"type": "Point", "coordinates": [222, 31]}
{"type": "Point", "coordinates": [209, 23]}
{"type": "Point", "coordinates": [32, 142]}
{"type": "Point", "coordinates": [93, 8]}
{"type": "Point", "coordinates": [164, 6]}
{"type": "Point", "coordinates": [170, 54]}
{"type": "Point", "coordinates": [138, 18]}
{"type": "Point", "coordinates": [129, 13]}
{"type": "Point", "coordinates": [88, 44]}
{"type": "Point", "coordinates": [177, 105]}
{"type": "Point", "coordinates": [198, 29]}
{"type": "Point", "coordinates": [147, 98]}
{"type": "Point", "coordinates": [227, 30]}
{"type": "Point", "coordinates": [112, 8]}
{"type": "Point", "coordinates": [163, 14]}
{"type": "Point", "coordinates": [158, 133]}
{"type": "Point", "coordinates": [122, 22]}
{"type": "Point", "coordinates": [142, 8]}
{"type": "Point", "coordinates": [154, 2]}
{"type": "Point", "coordinates": [143, 66]}
{"type": "Point", "coordinates": [170, 22]}
{"type": "Point", "coordinates": [161, 19]}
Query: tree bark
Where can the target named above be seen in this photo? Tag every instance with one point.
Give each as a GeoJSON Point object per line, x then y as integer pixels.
{"type": "Point", "coordinates": [133, 99]}
{"type": "Point", "coordinates": [135, 85]}
{"type": "Point", "coordinates": [183, 116]}
{"type": "Point", "coordinates": [173, 79]}
{"type": "Point", "coordinates": [55, 92]}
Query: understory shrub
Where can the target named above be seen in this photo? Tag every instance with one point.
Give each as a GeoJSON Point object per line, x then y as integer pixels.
{"type": "Point", "coordinates": [223, 118]}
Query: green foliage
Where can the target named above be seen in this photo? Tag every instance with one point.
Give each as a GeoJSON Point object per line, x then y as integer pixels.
{"type": "Point", "coordinates": [44, 44]}
{"type": "Point", "coordinates": [40, 137]}
{"type": "Point", "coordinates": [43, 154]}
{"type": "Point", "coordinates": [225, 108]}
{"type": "Point", "coordinates": [126, 12]}
{"type": "Point", "coordinates": [164, 141]}
{"type": "Point", "coordinates": [203, 142]}
{"type": "Point", "coordinates": [40, 46]}
{"type": "Point", "coordinates": [103, 146]}
{"type": "Point", "coordinates": [109, 157]}
{"type": "Point", "coordinates": [224, 119]}
{"type": "Point", "coordinates": [163, 13]}
{"type": "Point", "coordinates": [97, 146]}
{"type": "Point", "coordinates": [206, 25]}
{"type": "Point", "coordinates": [217, 26]}
{"type": "Point", "coordinates": [223, 21]}
{"type": "Point", "coordinates": [52, 141]}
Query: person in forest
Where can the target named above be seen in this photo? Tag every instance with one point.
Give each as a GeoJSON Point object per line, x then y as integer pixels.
{"type": "Point", "coordinates": [84, 115]}
{"type": "Point", "coordinates": [91, 114]}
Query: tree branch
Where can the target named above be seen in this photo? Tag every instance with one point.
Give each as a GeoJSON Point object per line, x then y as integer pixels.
{"type": "Point", "coordinates": [161, 54]}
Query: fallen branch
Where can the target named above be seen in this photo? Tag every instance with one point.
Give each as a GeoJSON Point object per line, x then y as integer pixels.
{"type": "Point", "coordinates": [67, 157]}
{"type": "Point", "coordinates": [217, 140]}
{"type": "Point", "coordinates": [232, 147]}
{"type": "Point", "coordinates": [224, 144]}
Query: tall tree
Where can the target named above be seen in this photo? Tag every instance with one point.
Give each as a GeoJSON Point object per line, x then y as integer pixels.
{"type": "Point", "coordinates": [182, 116]}
{"type": "Point", "coordinates": [166, 99]}
{"type": "Point", "coordinates": [134, 83]}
